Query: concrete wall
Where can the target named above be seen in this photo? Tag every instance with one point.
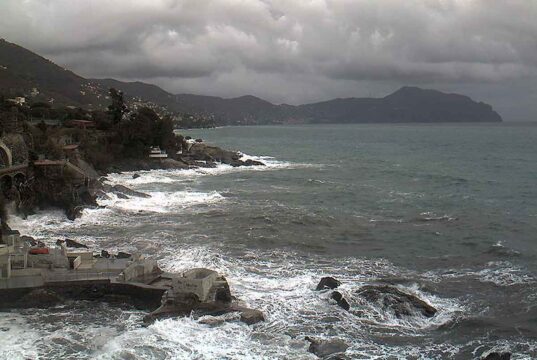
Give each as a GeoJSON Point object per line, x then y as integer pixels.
{"type": "Point", "coordinates": [138, 269]}
{"type": "Point", "coordinates": [197, 281]}
{"type": "Point", "coordinates": [22, 281]}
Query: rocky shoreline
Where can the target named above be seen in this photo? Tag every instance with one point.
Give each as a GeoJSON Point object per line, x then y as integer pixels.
{"type": "Point", "coordinates": [43, 191]}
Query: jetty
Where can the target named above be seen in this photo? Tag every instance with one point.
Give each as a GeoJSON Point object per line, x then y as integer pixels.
{"type": "Point", "coordinates": [34, 275]}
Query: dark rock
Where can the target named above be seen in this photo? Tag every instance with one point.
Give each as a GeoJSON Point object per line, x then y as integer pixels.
{"type": "Point", "coordinates": [401, 303]}
{"type": "Point", "coordinates": [123, 255]}
{"type": "Point", "coordinates": [223, 294]}
{"type": "Point", "coordinates": [204, 152]}
{"type": "Point", "coordinates": [212, 321]}
{"type": "Point", "coordinates": [73, 212]}
{"type": "Point", "coordinates": [135, 176]}
{"type": "Point", "coordinates": [497, 356]}
{"type": "Point", "coordinates": [327, 283]}
{"type": "Point", "coordinates": [324, 348]}
{"type": "Point", "coordinates": [251, 162]}
{"type": "Point", "coordinates": [71, 244]}
{"type": "Point", "coordinates": [100, 194]}
{"type": "Point", "coordinates": [40, 298]}
{"type": "Point", "coordinates": [252, 316]}
{"type": "Point", "coordinates": [120, 189]}
{"type": "Point", "coordinates": [199, 140]}
{"type": "Point", "coordinates": [172, 164]}
{"type": "Point", "coordinates": [340, 300]}
{"type": "Point", "coordinates": [105, 254]}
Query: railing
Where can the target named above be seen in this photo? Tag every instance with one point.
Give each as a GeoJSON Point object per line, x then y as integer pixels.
{"type": "Point", "coordinates": [14, 168]}
{"type": "Point", "coordinates": [78, 275]}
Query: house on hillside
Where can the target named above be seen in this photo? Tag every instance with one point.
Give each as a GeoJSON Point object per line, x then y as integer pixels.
{"type": "Point", "coordinates": [156, 153]}
{"type": "Point", "coordinates": [19, 100]}
{"type": "Point", "coordinates": [81, 124]}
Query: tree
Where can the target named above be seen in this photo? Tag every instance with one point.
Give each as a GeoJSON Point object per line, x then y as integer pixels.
{"type": "Point", "coordinates": [164, 135]}
{"type": "Point", "coordinates": [138, 132]}
{"type": "Point", "coordinates": [117, 108]}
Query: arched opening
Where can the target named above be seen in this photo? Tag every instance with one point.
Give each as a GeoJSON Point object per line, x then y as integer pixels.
{"type": "Point", "coordinates": [5, 156]}
{"type": "Point", "coordinates": [19, 179]}
{"type": "Point", "coordinates": [6, 183]}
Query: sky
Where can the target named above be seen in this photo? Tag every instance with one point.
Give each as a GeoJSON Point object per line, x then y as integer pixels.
{"type": "Point", "coordinates": [293, 51]}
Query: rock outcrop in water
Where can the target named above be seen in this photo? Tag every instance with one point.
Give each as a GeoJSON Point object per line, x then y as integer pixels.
{"type": "Point", "coordinates": [199, 151]}
{"type": "Point", "coordinates": [340, 300]}
{"type": "Point", "coordinates": [204, 292]}
{"type": "Point", "coordinates": [326, 348]}
{"type": "Point", "coordinates": [71, 244]}
{"type": "Point", "coordinates": [393, 299]}
{"type": "Point", "coordinates": [328, 283]}
{"type": "Point", "coordinates": [497, 356]}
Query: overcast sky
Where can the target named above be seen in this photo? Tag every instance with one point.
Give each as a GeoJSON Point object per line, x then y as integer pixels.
{"type": "Point", "coordinates": [293, 51]}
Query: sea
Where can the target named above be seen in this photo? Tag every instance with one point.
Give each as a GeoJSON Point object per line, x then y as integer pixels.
{"type": "Point", "coordinates": [445, 212]}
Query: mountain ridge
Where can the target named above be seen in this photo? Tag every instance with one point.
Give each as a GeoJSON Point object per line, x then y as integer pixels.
{"type": "Point", "coordinates": [24, 72]}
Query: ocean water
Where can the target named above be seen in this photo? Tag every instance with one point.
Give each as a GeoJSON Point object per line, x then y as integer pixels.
{"type": "Point", "coordinates": [446, 212]}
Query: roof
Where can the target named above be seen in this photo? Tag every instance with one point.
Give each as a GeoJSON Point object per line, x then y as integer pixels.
{"type": "Point", "coordinates": [70, 147]}
{"type": "Point", "coordinates": [85, 122]}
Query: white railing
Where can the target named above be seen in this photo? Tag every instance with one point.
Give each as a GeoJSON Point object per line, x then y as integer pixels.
{"type": "Point", "coordinates": [79, 275]}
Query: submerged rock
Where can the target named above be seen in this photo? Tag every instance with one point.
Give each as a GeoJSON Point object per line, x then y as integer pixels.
{"type": "Point", "coordinates": [252, 316]}
{"type": "Point", "coordinates": [497, 356]}
{"type": "Point", "coordinates": [324, 348]}
{"type": "Point", "coordinates": [123, 255]}
{"type": "Point", "coordinates": [212, 321]}
{"type": "Point", "coordinates": [72, 244]}
{"type": "Point", "coordinates": [401, 303]}
{"type": "Point", "coordinates": [135, 176]}
{"type": "Point", "coordinates": [340, 300]}
{"type": "Point", "coordinates": [203, 152]}
{"type": "Point", "coordinates": [328, 283]}
{"type": "Point", "coordinates": [120, 189]}
{"type": "Point", "coordinates": [251, 162]}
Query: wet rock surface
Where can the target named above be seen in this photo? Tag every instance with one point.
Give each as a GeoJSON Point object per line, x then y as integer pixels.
{"type": "Point", "coordinates": [125, 191]}
{"type": "Point", "coordinates": [497, 356]}
{"type": "Point", "coordinates": [326, 348]}
{"type": "Point", "coordinates": [72, 244]}
{"type": "Point", "coordinates": [123, 255]}
{"type": "Point", "coordinates": [391, 298]}
{"type": "Point", "coordinates": [340, 300]}
{"type": "Point", "coordinates": [252, 316]}
{"type": "Point", "coordinates": [327, 283]}
{"type": "Point", "coordinates": [200, 151]}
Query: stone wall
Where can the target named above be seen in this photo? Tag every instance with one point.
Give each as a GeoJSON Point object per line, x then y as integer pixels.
{"type": "Point", "coordinates": [19, 150]}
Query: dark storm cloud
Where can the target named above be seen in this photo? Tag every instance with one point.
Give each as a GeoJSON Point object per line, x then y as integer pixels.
{"type": "Point", "coordinates": [291, 50]}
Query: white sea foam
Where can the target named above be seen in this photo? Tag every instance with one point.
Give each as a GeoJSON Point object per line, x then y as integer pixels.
{"type": "Point", "coordinates": [186, 175]}
{"type": "Point", "coordinates": [17, 338]}
{"type": "Point", "coordinates": [161, 202]}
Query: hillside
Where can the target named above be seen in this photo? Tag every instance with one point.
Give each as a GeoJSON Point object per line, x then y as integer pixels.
{"type": "Point", "coordinates": [408, 104]}
{"type": "Point", "coordinates": [23, 72]}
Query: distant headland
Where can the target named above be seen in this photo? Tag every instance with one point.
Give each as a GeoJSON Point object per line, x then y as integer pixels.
{"type": "Point", "coordinates": [26, 75]}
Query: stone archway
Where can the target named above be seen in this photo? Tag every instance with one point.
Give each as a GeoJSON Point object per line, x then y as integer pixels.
{"type": "Point", "coordinates": [19, 179]}
{"type": "Point", "coordinates": [6, 183]}
{"type": "Point", "coordinates": [6, 158]}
